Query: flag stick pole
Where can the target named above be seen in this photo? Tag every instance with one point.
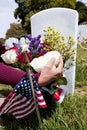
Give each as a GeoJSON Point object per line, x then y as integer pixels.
{"type": "Point", "coordinates": [32, 88]}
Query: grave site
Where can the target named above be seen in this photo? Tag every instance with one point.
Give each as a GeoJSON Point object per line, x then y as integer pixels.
{"type": "Point", "coordinates": [54, 34]}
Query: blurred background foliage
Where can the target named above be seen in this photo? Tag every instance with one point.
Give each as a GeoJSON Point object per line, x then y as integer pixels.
{"type": "Point", "coordinates": [27, 8]}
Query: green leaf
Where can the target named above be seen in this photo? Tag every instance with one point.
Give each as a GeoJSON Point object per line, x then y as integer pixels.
{"type": "Point", "coordinates": [60, 81]}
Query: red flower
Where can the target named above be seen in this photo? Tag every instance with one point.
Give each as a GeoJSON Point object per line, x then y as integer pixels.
{"type": "Point", "coordinates": [14, 48]}
{"type": "Point", "coordinates": [57, 94]}
{"type": "Point", "coordinates": [41, 54]}
{"type": "Point", "coordinates": [21, 59]}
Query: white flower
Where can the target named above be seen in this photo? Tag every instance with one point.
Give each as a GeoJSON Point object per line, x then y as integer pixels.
{"type": "Point", "coordinates": [9, 42]}
{"type": "Point", "coordinates": [40, 62]}
{"type": "Point", "coordinates": [22, 41]}
{"type": "Point", "coordinates": [23, 44]}
{"type": "Point", "coordinates": [9, 57]}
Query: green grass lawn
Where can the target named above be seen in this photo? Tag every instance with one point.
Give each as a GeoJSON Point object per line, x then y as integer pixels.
{"type": "Point", "coordinates": [70, 115]}
{"type": "Point", "coordinates": [81, 68]}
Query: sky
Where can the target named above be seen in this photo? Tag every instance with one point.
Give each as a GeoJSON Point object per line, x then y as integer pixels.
{"type": "Point", "coordinates": [84, 1]}
{"type": "Point", "coordinates": [7, 8]}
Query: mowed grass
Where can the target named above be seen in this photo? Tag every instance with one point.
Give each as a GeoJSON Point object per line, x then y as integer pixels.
{"type": "Point", "coordinates": [5, 89]}
{"type": "Point", "coordinates": [81, 68]}
{"type": "Point", "coordinates": [70, 115]}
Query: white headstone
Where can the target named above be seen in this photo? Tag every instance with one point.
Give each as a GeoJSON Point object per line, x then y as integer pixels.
{"type": "Point", "coordinates": [82, 33]}
{"type": "Point", "coordinates": [66, 22]}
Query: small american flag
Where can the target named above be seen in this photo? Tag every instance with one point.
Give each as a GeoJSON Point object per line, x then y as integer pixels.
{"type": "Point", "coordinates": [20, 102]}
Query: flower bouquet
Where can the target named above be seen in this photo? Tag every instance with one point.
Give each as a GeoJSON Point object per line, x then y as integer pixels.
{"type": "Point", "coordinates": [39, 51]}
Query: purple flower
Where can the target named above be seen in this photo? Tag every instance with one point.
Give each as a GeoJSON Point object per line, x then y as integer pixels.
{"type": "Point", "coordinates": [36, 43]}
{"type": "Point", "coordinates": [18, 47]}
{"type": "Point", "coordinates": [40, 48]}
{"type": "Point", "coordinates": [38, 37]}
{"type": "Point", "coordinates": [28, 36]}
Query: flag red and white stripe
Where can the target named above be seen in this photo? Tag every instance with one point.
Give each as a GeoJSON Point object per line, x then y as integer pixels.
{"type": "Point", "coordinates": [20, 106]}
{"type": "Point", "coordinates": [20, 102]}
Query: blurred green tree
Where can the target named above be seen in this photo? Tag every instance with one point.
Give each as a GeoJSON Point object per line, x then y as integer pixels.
{"type": "Point", "coordinates": [15, 30]}
{"type": "Point", "coordinates": [82, 10]}
{"type": "Point", "coordinates": [2, 40]}
{"type": "Point", "coordinates": [27, 8]}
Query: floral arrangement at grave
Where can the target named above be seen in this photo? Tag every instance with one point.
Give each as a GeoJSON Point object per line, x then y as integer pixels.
{"type": "Point", "coordinates": [54, 40]}
{"type": "Point", "coordinates": [40, 49]}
